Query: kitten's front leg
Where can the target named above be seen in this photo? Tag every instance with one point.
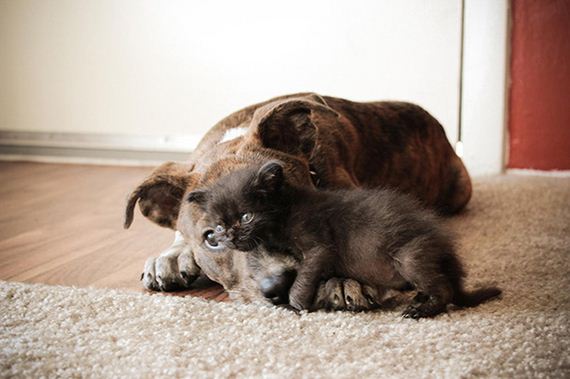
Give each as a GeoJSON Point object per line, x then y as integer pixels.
{"type": "Point", "coordinates": [304, 288]}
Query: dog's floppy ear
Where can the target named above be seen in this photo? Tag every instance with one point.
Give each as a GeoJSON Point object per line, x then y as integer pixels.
{"type": "Point", "coordinates": [287, 126]}
{"type": "Point", "coordinates": [160, 194]}
{"type": "Point", "coordinates": [269, 178]}
{"type": "Point", "coordinates": [199, 197]}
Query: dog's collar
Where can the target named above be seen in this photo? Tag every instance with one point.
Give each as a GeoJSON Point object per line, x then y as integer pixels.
{"type": "Point", "coordinates": [314, 175]}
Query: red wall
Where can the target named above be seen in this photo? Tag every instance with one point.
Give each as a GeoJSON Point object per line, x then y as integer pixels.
{"type": "Point", "coordinates": [539, 119]}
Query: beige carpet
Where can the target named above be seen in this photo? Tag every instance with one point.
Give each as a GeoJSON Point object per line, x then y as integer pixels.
{"type": "Point", "coordinates": [516, 234]}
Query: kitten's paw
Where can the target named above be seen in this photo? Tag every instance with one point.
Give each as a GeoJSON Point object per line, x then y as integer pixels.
{"type": "Point", "coordinates": [412, 312]}
{"type": "Point", "coordinates": [423, 310]}
{"type": "Point", "coordinates": [297, 304]}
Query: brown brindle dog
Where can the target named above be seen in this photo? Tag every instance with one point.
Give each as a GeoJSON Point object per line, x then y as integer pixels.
{"type": "Point", "coordinates": [323, 141]}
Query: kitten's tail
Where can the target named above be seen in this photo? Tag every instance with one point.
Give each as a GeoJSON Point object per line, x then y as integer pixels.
{"type": "Point", "coordinates": [474, 298]}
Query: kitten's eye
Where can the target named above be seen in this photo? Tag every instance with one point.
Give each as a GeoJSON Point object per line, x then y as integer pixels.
{"type": "Point", "coordinates": [220, 229]}
{"type": "Point", "coordinates": [246, 218]}
{"type": "Point", "coordinates": [211, 241]}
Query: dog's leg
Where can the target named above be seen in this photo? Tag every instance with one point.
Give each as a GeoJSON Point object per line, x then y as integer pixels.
{"type": "Point", "coordinates": [347, 295]}
{"type": "Point", "coordinates": [174, 269]}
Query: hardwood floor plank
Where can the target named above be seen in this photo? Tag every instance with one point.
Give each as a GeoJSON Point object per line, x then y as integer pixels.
{"type": "Point", "coordinates": [62, 224]}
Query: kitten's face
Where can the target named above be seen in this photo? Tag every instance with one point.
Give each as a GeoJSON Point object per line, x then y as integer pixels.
{"type": "Point", "coordinates": [241, 208]}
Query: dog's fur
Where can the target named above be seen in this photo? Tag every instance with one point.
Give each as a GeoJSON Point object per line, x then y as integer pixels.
{"type": "Point", "coordinates": [323, 141]}
{"type": "Point", "coordinates": [381, 238]}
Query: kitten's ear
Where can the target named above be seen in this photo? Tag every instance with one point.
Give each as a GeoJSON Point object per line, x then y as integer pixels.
{"type": "Point", "coordinates": [270, 177]}
{"type": "Point", "coordinates": [198, 196]}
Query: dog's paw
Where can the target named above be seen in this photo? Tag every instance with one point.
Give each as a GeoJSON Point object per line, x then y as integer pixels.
{"type": "Point", "coordinates": [346, 294]}
{"type": "Point", "coordinates": [330, 295]}
{"type": "Point", "coordinates": [173, 270]}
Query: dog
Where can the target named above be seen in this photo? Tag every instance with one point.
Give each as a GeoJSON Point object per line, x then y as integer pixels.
{"type": "Point", "coordinates": [323, 141]}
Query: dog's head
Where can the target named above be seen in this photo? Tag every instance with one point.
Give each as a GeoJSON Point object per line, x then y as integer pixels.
{"type": "Point", "coordinates": [284, 130]}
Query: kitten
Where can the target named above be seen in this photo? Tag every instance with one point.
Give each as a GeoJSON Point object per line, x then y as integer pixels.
{"type": "Point", "coordinates": [380, 238]}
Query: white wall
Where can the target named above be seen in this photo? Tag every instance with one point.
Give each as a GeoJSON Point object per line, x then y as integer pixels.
{"type": "Point", "coordinates": [145, 67]}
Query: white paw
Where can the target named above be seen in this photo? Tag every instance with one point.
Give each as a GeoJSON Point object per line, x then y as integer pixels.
{"type": "Point", "coordinates": [173, 270]}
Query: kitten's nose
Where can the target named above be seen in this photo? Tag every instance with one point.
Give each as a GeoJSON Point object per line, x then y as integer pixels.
{"type": "Point", "coordinates": [276, 287]}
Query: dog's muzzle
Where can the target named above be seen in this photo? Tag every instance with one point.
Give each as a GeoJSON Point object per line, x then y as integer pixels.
{"type": "Point", "coordinates": [276, 286]}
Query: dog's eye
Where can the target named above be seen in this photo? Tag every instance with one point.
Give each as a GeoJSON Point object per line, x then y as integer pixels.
{"type": "Point", "coordinates": [246, 218]}
{"type": "Point", "coordinates": [211, 241]}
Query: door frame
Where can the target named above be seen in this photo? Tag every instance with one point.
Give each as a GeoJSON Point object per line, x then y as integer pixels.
{"type": "Point", "coordinates": [484, 85]}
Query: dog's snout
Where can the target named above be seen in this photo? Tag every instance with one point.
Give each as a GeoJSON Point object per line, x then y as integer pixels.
{"type": "Point", "coordinates": [276, 286]}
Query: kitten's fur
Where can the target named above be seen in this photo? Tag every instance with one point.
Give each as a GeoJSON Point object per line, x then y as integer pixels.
{"type": "Point", "coordinates": [378, 237]}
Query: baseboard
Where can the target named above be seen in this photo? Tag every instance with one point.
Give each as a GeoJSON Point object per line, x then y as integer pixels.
{"type": "Point", "coordinates": [531, 172]}
{"type": "Point", "coordinates": [93, 148]}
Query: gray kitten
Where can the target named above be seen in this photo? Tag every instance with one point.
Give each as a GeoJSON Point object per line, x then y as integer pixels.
{"type": "Point", "coordinates": [380, 238]}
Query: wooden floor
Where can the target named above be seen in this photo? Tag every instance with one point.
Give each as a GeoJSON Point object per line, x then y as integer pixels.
{"type": "Point", "coordinates": [62, 224]}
